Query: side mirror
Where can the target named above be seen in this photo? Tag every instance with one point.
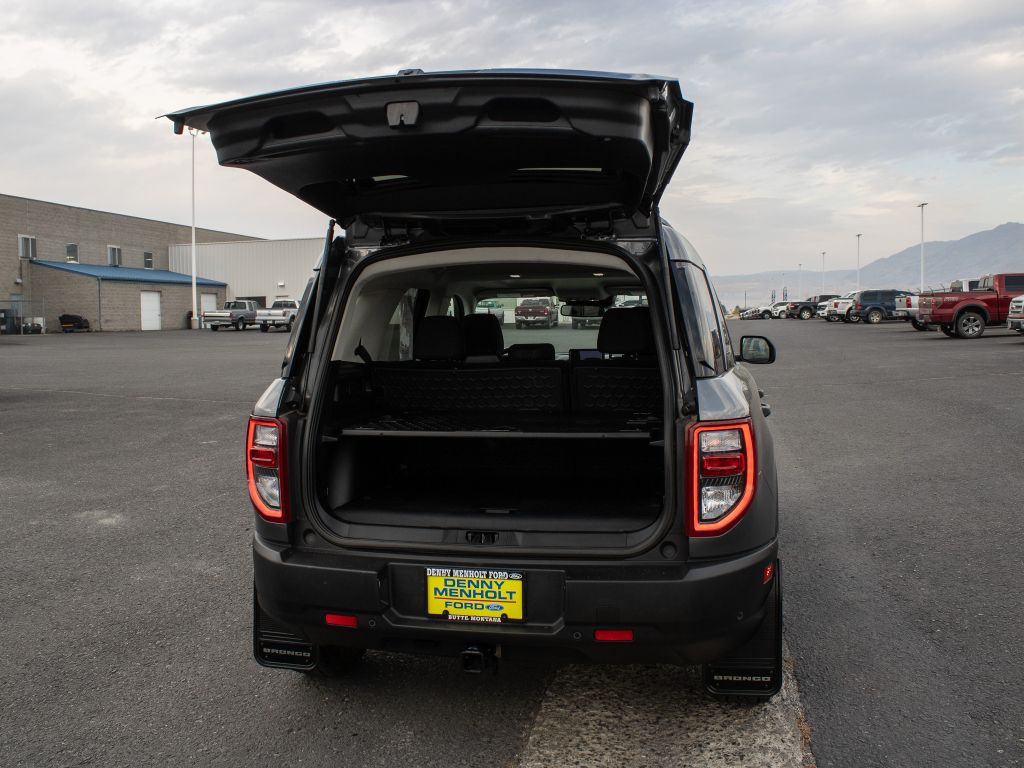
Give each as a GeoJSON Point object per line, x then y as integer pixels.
{"type": "Point", "coordinates": [581, 310]}
{"type": "Point", "coordinates": [756, 350]}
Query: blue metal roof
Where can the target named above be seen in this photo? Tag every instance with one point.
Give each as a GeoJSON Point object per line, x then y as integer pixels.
{"type": "Point", "coordinates": [126, 274]}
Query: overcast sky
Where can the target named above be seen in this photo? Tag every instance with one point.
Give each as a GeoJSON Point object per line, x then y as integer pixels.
{"type": "Point", "coordinates": [813, 121]}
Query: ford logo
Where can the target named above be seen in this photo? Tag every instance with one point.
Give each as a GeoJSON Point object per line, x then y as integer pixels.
{"type": "Point", "coordinates": [494, 607]}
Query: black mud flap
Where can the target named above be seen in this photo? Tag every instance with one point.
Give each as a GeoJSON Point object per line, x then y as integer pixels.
{"type": "Point", "coordinates": [274, 645]}
{"type": "Point", "coordinates": [755, 668]}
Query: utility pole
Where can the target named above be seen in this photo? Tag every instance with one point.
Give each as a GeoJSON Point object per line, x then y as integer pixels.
{"type": "Point", "coordinates": [858, 262]}
{"type": "Point", "coordinates": [195, 309]}
{"type": "Point", "coordinates": [921, 206]}
{"type": "Point", "coordinates": [799, 279]}
{"type": "Point", "coordinates": [823, 271]}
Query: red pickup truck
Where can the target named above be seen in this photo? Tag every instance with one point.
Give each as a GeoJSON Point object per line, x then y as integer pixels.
{"type": "Point", "coordinates": [540, 311]}
{"type": "Point", "coordinates": [966, 313]}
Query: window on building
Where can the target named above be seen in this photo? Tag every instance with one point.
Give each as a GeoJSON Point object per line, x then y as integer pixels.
{"type": "Point", "coordinates": [114, 255]}
{"type": "Point", "coordinates": [71, 252]}
{"type": "Point", "coordinates": [26, 247]}
{"type": "Point", "coordinates": [147, 259]}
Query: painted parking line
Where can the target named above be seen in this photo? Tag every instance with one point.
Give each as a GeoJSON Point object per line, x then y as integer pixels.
{"type": "Point", "coordinates": [658, 716]}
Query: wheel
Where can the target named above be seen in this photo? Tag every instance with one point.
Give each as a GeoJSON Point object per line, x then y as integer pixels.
{"type": "Point", "coordinates": [875, 316]}
{"type": "Point", "coordinates": [335, 661]}
{"type": "Point", "coordinates": [948, 330]}
{"type": "Point", "coordinates": [214, 327]}
{"type": "Point", "coordinates": [288, 326]}
{"type": "Point", "coordinates": [969, 325]}
{"type": "Point", "coordinates": [806, 313]}
{"type": "Point", "coordinates": [918, 325]}
{"type": "Point", "coordinates": [519, 326]}
{"type": "Point", "coordinates": [240, 324]}
{"type": "Point", "coordinates": [766, 315]}
{"type": "Point", "coordinates": [264, 327]}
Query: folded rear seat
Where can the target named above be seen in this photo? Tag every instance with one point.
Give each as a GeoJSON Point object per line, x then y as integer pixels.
{"type": "Point", "coordinates": [630, 381]}
{"type": "Point", "coordinates": [439, 379]}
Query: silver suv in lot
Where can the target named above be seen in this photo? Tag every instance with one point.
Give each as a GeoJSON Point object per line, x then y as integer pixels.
{"type": "Point", "coordinates": [408, 473]}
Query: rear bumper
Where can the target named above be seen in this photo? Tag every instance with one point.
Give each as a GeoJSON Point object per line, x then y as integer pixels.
{"type": "Point", "coordinates": [684, 614]}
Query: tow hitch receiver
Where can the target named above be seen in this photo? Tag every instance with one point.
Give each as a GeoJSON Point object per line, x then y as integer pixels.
{"type": "Point", "coordinates": [478, 658]}
{"type": "Point", "coordinates": [755, 668]}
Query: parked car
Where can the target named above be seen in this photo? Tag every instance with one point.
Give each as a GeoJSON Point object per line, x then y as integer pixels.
{"type": "Point", "coordinates": [875, 305]}
{"type": "Point", "coordinates": [490, 307]}
{"type": "Point", "coordinates": [779, 309]}
{"type": "Point", "coordinates": [236, 314]}
{"type": "Point", "coordinates": [768, 311]}
{"type": "Point", "coordinates": [1015, 315]}
{"type": "Point", "coordinates": [477, 539]}
{"type": "Point", "coordinates": [72, 323]}
{"type": "Point", "coordinates": [281, 314]}
{"type": "Point", "coordinates": [838, 309]}
{"type": "Point", "coordinates": [541, 312]}
{"type": "Point", "coordinates": [820, 309]}
{"type": "Point", "coordinates": [805, 309]}
{"type": "Point", "coordinates": [966, 314]}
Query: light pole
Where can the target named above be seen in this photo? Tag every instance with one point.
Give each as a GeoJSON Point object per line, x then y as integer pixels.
{"type": "Point", "coordinates": [799, 280]}
{"type": "Point", "coordinates": [921, 206]}
{"type": "Point", "coordinates": [858, 262]}
{"type": "Point", "coordinates": [823, 271]}
{"type": "Point", "coordinates": [195, 309]}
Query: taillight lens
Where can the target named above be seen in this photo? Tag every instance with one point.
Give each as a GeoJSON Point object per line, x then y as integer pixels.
{"type": "Point", "coordinates": [722, 472]}
{"type": "Point", "coordinates": [265, 469]}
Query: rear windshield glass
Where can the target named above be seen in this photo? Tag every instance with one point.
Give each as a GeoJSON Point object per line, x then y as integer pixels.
{"type": "Point", "coordinates": [235, 305]}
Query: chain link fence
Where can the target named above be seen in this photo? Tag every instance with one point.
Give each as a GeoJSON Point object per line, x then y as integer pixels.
{"type": "Point", "coordinates": [22, 317]}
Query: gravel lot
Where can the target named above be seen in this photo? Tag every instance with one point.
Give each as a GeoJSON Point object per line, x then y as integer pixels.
{"type": "Point", "coordinates": [127, 580]}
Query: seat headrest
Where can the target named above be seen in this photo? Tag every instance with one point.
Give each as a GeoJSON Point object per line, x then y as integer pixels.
{"type": "Point", "coordinates": [482, 334]}
{"type": "Point", "coordinates": [626, 331]}
{"type": "Point", "coordinates": [438, 337]}
{"type": "Point", "coordinates": [531, 352]}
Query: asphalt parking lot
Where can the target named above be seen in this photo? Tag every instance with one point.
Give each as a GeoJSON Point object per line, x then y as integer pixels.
{"type": "Point", "coordinates": [127, 577]}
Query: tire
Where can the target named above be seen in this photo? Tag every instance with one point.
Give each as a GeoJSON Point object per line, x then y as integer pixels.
{"type": "Point", "coordinates": [918, 325]}
{"type": "Point", "coordinates": [519, 326]}
{"type": "Point", "coordinates": [766, 315]}
{"type": "Point", "coordinates": [875, 316]}
{"type": "Point", "coordinates": [806, 313]}
{"type": "Point", "coordinates": [969, 325]}
{"type": "Point", "coordinates": [264, 327]}
{"type": "Point", "coordinates": [239, 324]}
{"type": "Point", "coordinates": [214, 327]}
{"type": "Point", "coordinates": [575, 325]}
{"type": "Point", "coordinates": [948, 330]}
{"type": "Point", "coordinates": [288, 327]}
{"type": "Point", "coordinates": [335, 661]}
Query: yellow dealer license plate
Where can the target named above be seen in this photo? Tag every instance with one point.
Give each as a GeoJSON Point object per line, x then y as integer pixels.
{"type": "Point", "coordinates": [474, 594]}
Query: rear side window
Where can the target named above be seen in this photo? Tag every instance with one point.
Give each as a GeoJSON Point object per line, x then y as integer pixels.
{"type": "Point", "coordinates": [1014, 284]}
{"type": "Point", "coordinates": [868, 296]}
{"type": "Point", "coordinates": [702, 324]}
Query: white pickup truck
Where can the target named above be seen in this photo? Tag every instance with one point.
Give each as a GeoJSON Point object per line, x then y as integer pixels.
{"type": "Point", "coordinates": [281, 314]}
{"type": "Point", "coordinates": [236, 314]}
{"type": "Point", "coordinates": [839, 308]}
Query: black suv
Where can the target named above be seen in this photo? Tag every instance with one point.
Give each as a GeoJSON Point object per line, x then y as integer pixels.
{"type": "Point", "coordinates": [874, 306]}
{"type": "Point", "coordinates": [421, 487]}
{"type": "Point", "coordinates": [807, 308]}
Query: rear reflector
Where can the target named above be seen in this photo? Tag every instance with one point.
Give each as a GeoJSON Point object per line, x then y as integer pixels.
{"type": "Point", "coordinates": [769, 571]}
{"type": "Point", "coordinates": [613, 635]}
{"type": "Point", "coordinates": [342, 620]}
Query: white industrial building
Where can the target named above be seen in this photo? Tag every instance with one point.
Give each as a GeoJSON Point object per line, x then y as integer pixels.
{"type": "Point", "coordinates": [259, 270]}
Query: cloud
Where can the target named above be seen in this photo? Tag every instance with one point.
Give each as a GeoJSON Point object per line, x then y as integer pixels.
{"type": "Point", "coordinates": [814, 120]}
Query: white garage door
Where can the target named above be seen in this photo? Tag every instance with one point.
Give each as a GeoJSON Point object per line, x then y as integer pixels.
{"type": "Point", "coordinates": [150, 310]}
{"type": "Point", "coordinates": [208, 302]}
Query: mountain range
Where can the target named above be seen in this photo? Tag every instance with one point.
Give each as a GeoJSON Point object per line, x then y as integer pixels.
{"type": "Point", "coordinates": [994, 250]}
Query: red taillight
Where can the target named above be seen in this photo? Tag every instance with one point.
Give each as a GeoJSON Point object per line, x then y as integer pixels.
{"type": "Point", "coordinates": [613, 635]}
{"type": "Point", "coordinates": [721, 475]}
{"type": "Point", "coordinates": [341, 620]}
{"type": "Point", "coordinates": [769, 572]}
{"type": "Point", "coordinates": [858, 306]}
{"type": "Point", "coordinates": [717, 465]}
{"type": "Point", "coordinates": [265, 468]}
